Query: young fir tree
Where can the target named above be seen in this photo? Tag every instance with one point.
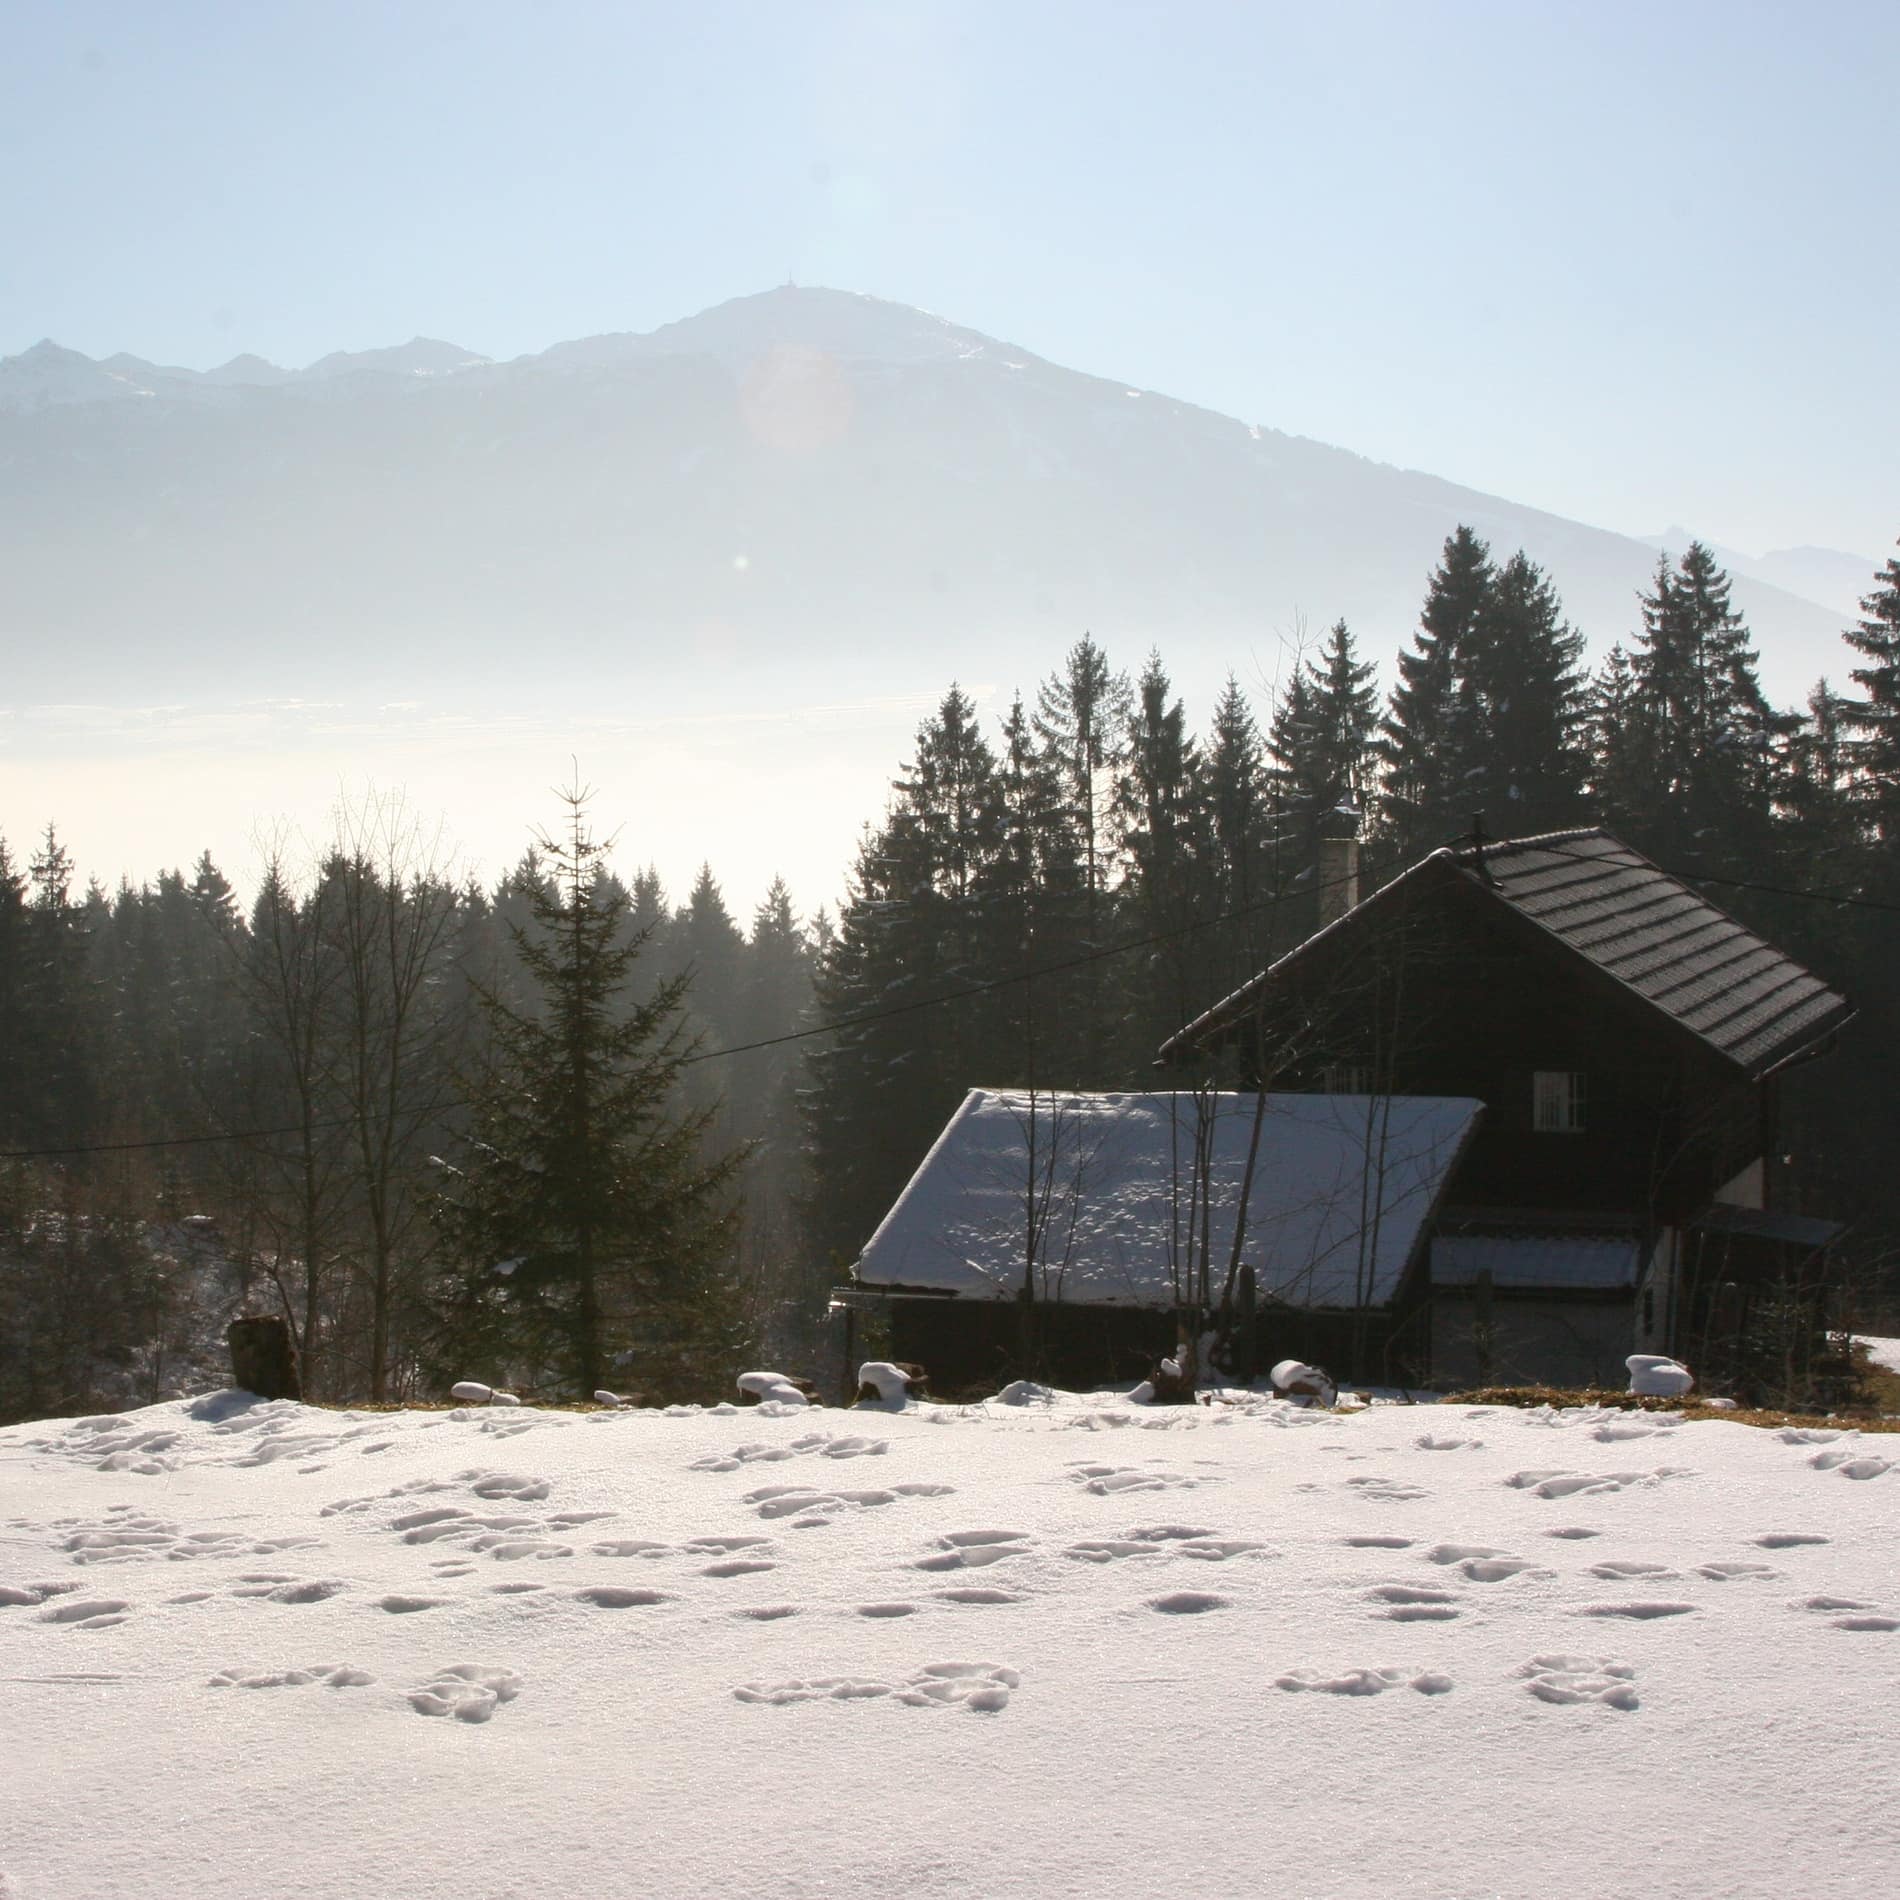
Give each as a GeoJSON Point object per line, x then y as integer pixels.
{"type": "Point", "coordinates": [1159, 811]}
{"type": "Point", "coordinates": [589, 1229]}
{"type": "Point", "coordinates": [1874, 720]}
{"type": "Point", "coordinates": [15, 1036]}
{"type": "Point", "coordinates": [1425, 742]}
{"type": "Point", "coordinates": [1080, 719]}
{"type": "Point", "coordinates": [1322, 732]}
{"type": "Point", "coordinates": [1819, 832]}
{"type": "Point", "coordinates": [1616, 744]}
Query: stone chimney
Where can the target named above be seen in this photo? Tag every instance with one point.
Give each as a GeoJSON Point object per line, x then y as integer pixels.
{"type": "Point", "coordinates": [1338, 869]}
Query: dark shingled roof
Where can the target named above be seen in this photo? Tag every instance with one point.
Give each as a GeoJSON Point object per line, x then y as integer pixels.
{"type": "Point", "coordinates": [1708, 972]}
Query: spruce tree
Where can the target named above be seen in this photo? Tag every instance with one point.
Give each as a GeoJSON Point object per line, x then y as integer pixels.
{"type": "Point", "coordinates": [589, 1228]}
{"type": "Point", "coordinates": [15, 1035]}
{"type": "Point", "coordinates": [1874, 720]}
{"type": "Point", "coordinates": [1425, 742]}
{"type": "Point", "coordinates": [1521, 707]}
{"type": "Point", "coordinates": [1616, 741]}
{"type": "Point", "coordinates": [1081, 716]}
{"type": "Point", "coordinates": [1158, 808]}
{"type": "Point", "coordinates": [1321, 738]}
{"type": "Point", "coordinates": [1712, 739]}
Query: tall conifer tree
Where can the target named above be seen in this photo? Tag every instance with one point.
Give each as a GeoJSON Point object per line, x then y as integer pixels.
{"type": "Point", "coordinates": [1874, 720]}
{"type": "Point", "coordinates": [589, 1227]}
{"type": "Point", "coordinates": [1425, 741]}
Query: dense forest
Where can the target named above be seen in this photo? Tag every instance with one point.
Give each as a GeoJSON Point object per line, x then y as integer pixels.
{"type": "Point", "coordinates": [571, 1131]}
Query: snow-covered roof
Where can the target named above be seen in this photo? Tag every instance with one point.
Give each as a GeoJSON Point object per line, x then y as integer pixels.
{"type": "Point", "coordinates": [1342, 1187]}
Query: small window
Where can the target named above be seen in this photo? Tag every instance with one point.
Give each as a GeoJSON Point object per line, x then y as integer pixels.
{"type": "Point", "coordinates": [1557, 1101]}
{"type": "Point", "coordinates": [1348, 1078]}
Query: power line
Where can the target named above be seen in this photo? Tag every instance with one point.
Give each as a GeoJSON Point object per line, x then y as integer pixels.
{"type": "Point", "coordinates": [862, 1017]}
{"type": "Point", "coordinates": [988, 987]}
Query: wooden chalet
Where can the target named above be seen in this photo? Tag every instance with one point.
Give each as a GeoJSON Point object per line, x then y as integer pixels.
{"type": "Point", "coordinates": [1625, 1190]}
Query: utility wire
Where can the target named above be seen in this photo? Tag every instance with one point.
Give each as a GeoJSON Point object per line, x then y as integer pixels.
{"type": "Point", "coordinates": [988, 987]}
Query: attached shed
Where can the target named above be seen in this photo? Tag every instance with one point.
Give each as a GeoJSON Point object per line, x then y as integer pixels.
{"type": "Point", "coordinates": [1108, 1213]}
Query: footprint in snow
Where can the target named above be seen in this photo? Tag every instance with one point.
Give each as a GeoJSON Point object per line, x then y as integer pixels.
{"type": "Point", "coordinates": [1364, 1682]}
{"type": "Point", "coordinates": [1641, 1612]}
{"type": "Point", "coordinates": [409, 1606]}
{"type": "Point", "coordinates": [29, 1595]}
{"type": "Point", "coordinates": [819, 1444]}
{"type": "Point", "coordinates": [982, 1688]}
{"type": "Point", "coordinates": [1615, 1569]}
{"type": "Point", "coordinates": [469, 1692]}
{"type": "Point", "coordinates": [974, 1550]}
{"type": "Point", "coordinates": [1387, 1490]}
{"type": "Point", "coordinates": [331, 1675]}
{"type": "Point", "coordinates": [611, 1596]}
{"type": "Point", "coordinates": [1379, 1543]}
{"type": "Point", "coordinates": [503, 1484]}
{"type": "Point", "coordinates": [1734, 1572]}
{"type": "Point", "coordinates": [738, 1567]}
{"type": "Point", "coordinates": [1788, 1540]}
{"type": "Point", "coordinates": [87, 1613]}
{"type": "Point", "coordinates": [1850, 1465]}
{"type": "Point", "coordinates": [976, 1594]}
{"type": "Point", "coordinates": [1569, 1484]}
{"type": "Point", "coordinates": [1189, 1603]}
{"type": "Point", "coordinates": [1571, 1680]}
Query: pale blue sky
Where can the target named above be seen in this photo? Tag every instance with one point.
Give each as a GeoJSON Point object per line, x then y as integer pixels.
{"type": "Point", "coordinates": [1633, 263]}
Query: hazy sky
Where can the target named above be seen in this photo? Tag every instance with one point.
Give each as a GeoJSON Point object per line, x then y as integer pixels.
{"type": "Point", "coordinates": [1630, 262]}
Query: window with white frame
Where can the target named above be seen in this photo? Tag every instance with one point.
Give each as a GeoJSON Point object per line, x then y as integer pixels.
{"type": "Point", "coordinates": [1557, 1101]}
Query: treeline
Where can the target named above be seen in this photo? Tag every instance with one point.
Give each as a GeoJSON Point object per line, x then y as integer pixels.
{"type": "Point", "coordinates": [342, 1081]}
{"type": "Point", "coordinates": [1092, 875]}
{"type": "Point", "coordinates": [204, 1106]}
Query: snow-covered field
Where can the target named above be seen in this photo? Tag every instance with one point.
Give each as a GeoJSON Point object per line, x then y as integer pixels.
{"type": "Point", "coordinates": [1070, 1648]}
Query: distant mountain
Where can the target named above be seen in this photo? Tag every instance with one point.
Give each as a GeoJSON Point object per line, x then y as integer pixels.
{"type": "Point", "coordinates": [806, 484]}
{"type": "Point", "coordinates": [1826, 576]}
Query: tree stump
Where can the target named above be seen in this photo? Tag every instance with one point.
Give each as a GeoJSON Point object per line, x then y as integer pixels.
{"type": "Point", "coordinates": [1172, 1384]}
{"type": "Point", "coordinates": [263, 1359]}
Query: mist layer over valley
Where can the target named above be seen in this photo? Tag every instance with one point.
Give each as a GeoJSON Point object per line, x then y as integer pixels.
{"type": "Point", "coordinates": [738, 556]}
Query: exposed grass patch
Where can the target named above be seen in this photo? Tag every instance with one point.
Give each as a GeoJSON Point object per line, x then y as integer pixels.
{"type": "Point", "coordinates": [1867, 1418]}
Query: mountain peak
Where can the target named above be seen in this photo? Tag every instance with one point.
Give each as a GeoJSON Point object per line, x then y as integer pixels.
{"type": "Point", "coordinates": [850, 325]}
{"type": "Point", "coordinates": [420, 356]}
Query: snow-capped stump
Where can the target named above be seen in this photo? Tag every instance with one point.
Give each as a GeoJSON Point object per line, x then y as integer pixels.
{"type": "Point", "coordinates": [1024, 1392]}
{"type": "Point", "coordinates": [774, 1388]}
{"type": "Point", "coordinates": [884, 1382]}
{"type": "Point", "coordinates": [1297, 1380]}
{"type": "Point", "coordinates": [473, 1392]}
{"type": "Point", "coordinates": [1169, 1384]}
{"type": "Point", "coordinates": [612, 1400]}
{"type": "Point", "coordinates": [1653, 1376]}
